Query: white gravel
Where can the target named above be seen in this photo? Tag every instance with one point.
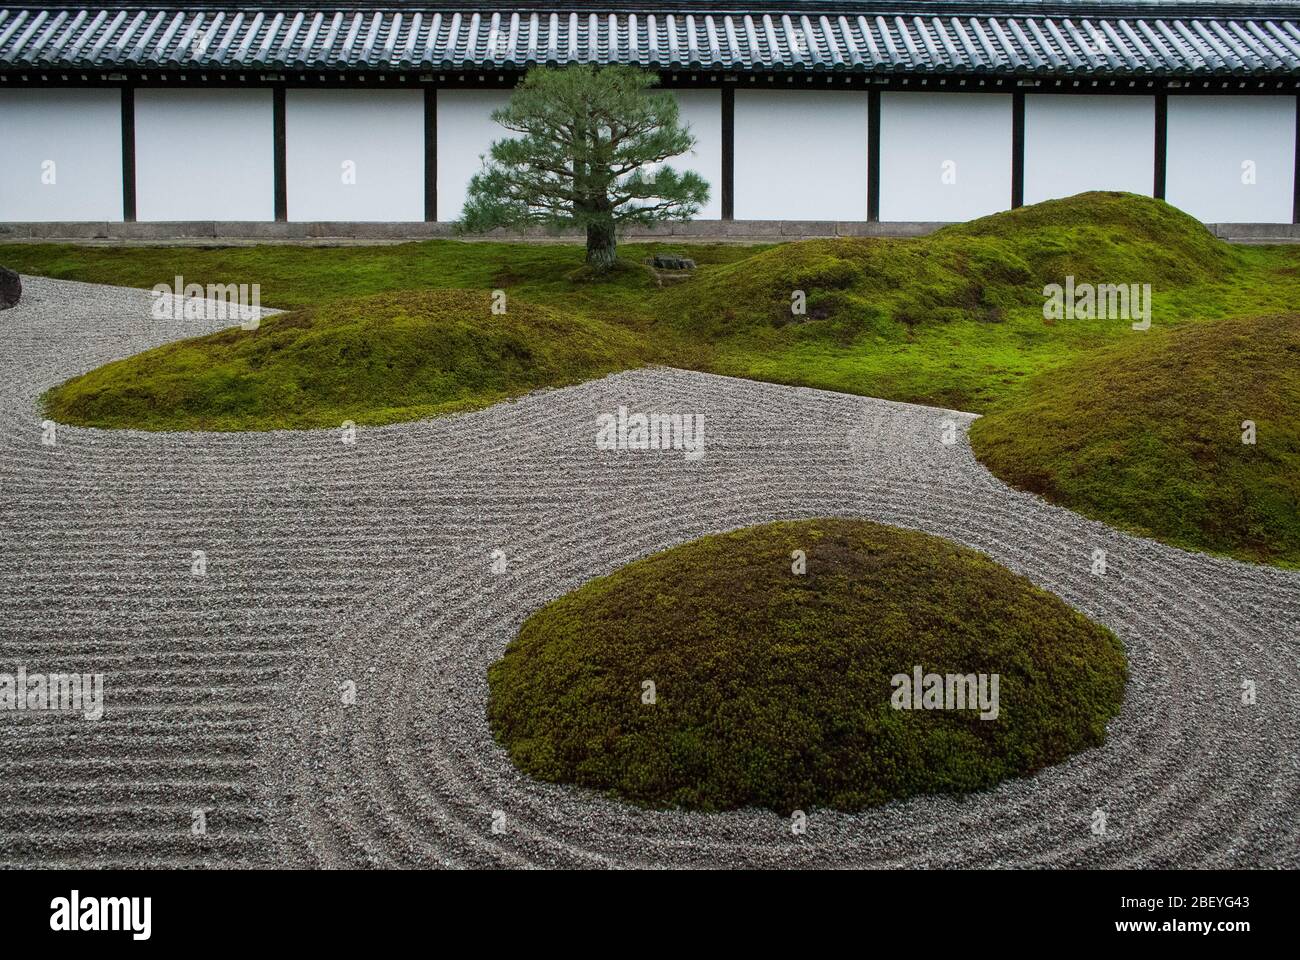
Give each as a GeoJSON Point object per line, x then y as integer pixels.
{"type": "Point", "coordinates": [371, 563]}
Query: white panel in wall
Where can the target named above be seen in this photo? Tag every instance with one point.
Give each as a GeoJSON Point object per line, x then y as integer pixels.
{"type": "Point", "coordinates": [465, 131]}
{"type": "Point", "coordinates": [60, 155]}
{"type": "Point", "coordinates": [701, 110]}
{"type": "Point", "coordinates": [1075, 143]}
{"type": "Point", "coordinates": [1216, 144]}
{"type": "Point", "coordinates": [204, 155]}
{"type": "Point", "coordinates": [801, 155]}
{"type": "Point", "coordinates": [354, 154]}
{"type": "Point", "coordinates": [944, 156]}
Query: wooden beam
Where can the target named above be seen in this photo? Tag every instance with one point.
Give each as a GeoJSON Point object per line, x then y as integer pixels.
{"type": "Point", "coordinates": [1295, 164]}
{"type": "Point", "coordinates": [873, 154]}
{"type": "Point", "coordinates": [281, 162]}
{"type": "Point", "coordinates": [1017, 149]}
{"type": "Point", "coordinates": [1162, 144]}
{"type": "Point", "coordinates": [728, 153]}
{"type": "Point", "coordinates": [430, 154]}
{"type": "Point", "coordinates": [128, 154]}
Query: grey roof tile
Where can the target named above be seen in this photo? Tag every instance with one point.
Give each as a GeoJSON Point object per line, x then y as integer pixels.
{"type": "Point", "coordinates": [1093, 40]}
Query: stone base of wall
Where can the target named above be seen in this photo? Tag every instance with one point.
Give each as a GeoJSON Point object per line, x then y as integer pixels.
{"type": "Point", "coordinates": [753, 230]}
{"type": "Point", "coordinates": [342, 232]}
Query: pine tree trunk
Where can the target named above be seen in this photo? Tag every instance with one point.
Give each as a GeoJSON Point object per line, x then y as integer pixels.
{"type": "Point", "coordinates": [601, 252]}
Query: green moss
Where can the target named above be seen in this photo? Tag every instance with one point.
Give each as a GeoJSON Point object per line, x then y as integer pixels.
{"type": "Point", "coordinates": [1147, 435]}
{"type": "Point", "coordinates": [373, 360]}
{"type": "Point", "coordinates": [977, 271]}
{"type": "Point", "coordinates": [953, 319]}
{"type": "Point", "coordinates": [303, 276]}
{"type": "Point", "coordinates": [773, 689]}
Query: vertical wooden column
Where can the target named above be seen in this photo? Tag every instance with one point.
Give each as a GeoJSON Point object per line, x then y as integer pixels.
{"type": "Point", "coordinates": [873, 154]}
{"type": "Point", "coordinates": [728, 153]}
{"type": "Point", "coordinates": [1017, 149]}
{"type": "Point", "coordinates": [1162, 142]}
{"type": "Point", "coordinates": [281, 163]}
{"type": "Point", "coordinates": [128, 154]}
{"type": "Point", "coordinates": [1295, 189]}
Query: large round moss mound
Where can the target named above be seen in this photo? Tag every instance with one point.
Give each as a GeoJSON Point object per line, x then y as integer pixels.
{"type": "Point", "coordinates": [984, 270]}
{"type": "Point", "coordinates": [1189, 435]}
{"type": "Point", "coordinates": [713, 676]}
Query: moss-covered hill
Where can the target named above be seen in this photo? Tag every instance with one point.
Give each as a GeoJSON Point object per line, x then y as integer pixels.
{"type": "Point", "coordinates": [953, 320]}
{"type": "Point", "coordinates": [1147, 435]}
{"type": "Point", "coordinates": [774, 689]}
{"type": "Point", "coordinates": [972, 271]}
{"type": "Point", "coordinates": [379, 359]}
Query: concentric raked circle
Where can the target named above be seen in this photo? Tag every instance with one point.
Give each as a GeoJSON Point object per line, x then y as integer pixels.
{"type": "Point", "coordinates": [365, 573]}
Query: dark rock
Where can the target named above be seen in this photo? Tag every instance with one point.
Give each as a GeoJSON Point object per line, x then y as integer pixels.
{"type": "Point", "coordinates": [673, 263]}
{"type": "Point", "coordinates": [11, 288]}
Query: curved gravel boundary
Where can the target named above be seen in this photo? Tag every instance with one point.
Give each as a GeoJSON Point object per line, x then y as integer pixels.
{"type": "Point", "coordinates": [335, 567]}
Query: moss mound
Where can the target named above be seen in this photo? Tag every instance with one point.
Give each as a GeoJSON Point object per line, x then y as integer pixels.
{"type": "Point", "coordinates": [1147, 435]}
{"type": "Point", "coordinates": [774, 688]}
{"type": "Point", "coordinates": [971, 271]}
{"type": "Point", "coordinates": [954, 319]}
{"type": "Point", "coordinates": [377, 359]}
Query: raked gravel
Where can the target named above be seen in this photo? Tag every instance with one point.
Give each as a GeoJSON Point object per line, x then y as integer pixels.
{"type": "Point", "coordinates": [370, 565]}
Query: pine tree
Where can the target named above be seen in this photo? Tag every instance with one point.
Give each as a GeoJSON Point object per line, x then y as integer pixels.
{"type": "Point", "coordinates": [588, 152]}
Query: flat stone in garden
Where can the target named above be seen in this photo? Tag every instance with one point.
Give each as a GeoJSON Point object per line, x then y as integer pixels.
{"type": "Point", "coordinates": [11, 288]}
{"type": "Point", "coordinates": [674, 263]}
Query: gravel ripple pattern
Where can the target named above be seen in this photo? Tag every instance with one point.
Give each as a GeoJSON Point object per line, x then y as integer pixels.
{"type": "Point", "coordinates": [319, 694]}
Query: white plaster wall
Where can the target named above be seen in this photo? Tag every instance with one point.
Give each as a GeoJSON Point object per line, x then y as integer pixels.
{"type": "Point", "coordinates": [1075, 143]}
{"type": "Point", "coordinates": [80, 133]}
{"type": "Point", "coordinates": [922, 132]}
{"type": "Point", "coordinates": [1210, 138]}
{"type": "Point", "coordinates": [465, 131]}
{"type": "Point", "coordinates": [380, 133]}
{"type": "Point", "coordinates": [701, 110]}
{"type": "Point", "coordinates": [801, 155]}
{"type": "Point", "coordinates": [204, 155]}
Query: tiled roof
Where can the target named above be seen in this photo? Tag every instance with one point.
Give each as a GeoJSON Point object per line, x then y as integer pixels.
{"type": "Point", "coordinates": [925, 38]}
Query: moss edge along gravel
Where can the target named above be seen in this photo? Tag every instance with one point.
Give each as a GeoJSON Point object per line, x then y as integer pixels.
{"type": "Point", "coordinates": [773, 688]}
